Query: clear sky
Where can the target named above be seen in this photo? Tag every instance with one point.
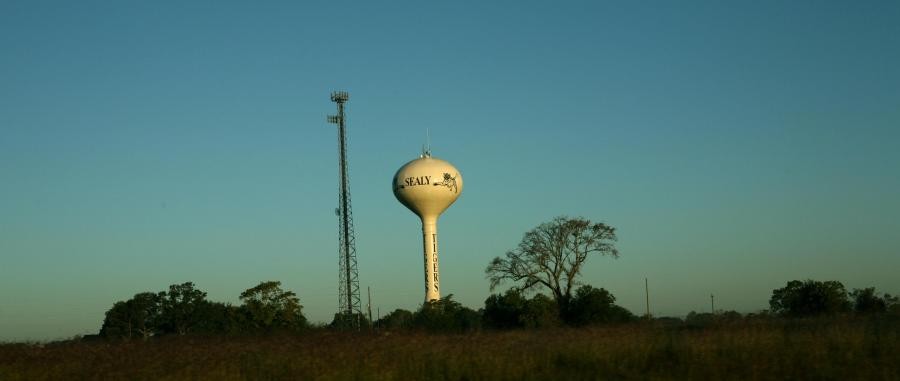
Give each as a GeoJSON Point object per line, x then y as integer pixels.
{"type": "Point", "coordinates": [735, 146]}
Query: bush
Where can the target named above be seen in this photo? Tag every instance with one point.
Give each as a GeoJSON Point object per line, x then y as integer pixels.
{"type": "Point", "coordinates": [446, 315]}
{"type": "Point", "coordinates": [504, 311]}
{"type": "Point", "coordinates": [591, 306]}
{"type": "Point", "coordinates": [398, 319]}
{"type": "Point", "coordinates": [706, 319]}
{"type": "Point", "coordinates": [540, 312]}
{"type": "Point", "coordinates": [349, 321]}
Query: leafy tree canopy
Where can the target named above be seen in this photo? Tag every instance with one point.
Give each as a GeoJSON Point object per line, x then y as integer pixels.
{"type": "Point", "coordinates": [867, 301]}
{"type": "Point", "coordinates": [446, 315]}
{"type": "Point", "coordinates": [268, 307]}
{"type": "Point", "coordinates": [399, 318]}
{"type": "Point", "coordinates": [809, 298]}
{"type": "Point", "coordinates": [596, 305]}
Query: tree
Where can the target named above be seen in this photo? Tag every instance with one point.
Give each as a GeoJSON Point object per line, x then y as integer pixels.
{"type": "Point", "coordinates": [179, 308]}
{"type": "Point", "coordinates": [809, 298]}
{"type": "Point", "coordinates": [504, 310]}
{"type": "Point", "coordinates": [552, 255]}
{"type": "Point", "coordinates": [867, 301]}
{"type": "Point", "coordinates": [145, 311]}
{"type": "Point", "coordinates": [512, 310]}
{"type": "Point", "coordinates": [540, 312]}
{"type": "Point", "coordinates": [219, 318]}
{"type": "Point", "coordinates": [446, 314]}
{"type": "Point", "coordinates": [893, 304]}
{"type": "Point", "coordinates": [268, 308]}
{"type": "Point", "coordinates": [138, 316]}
{"type": "Point", "coordinates": [399, 318]}
{"type": "Point", "coordinates": [117, 322]}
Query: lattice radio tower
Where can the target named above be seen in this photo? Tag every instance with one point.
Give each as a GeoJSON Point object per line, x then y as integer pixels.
{"type": "Point", "coordinates": [348, 278]}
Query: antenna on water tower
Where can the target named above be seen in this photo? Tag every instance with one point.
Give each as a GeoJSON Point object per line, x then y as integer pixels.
{"type": "Point", "coordinates": [426, 149]}
{"type": "Point", "coordinates": [348, 277]}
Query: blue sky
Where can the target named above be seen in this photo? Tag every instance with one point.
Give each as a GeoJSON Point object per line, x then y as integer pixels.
{"type": "Point", "coordinates": [736, 146]}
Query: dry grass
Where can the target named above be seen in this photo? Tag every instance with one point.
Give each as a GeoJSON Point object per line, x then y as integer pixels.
{"type": "Point", "coordinates": [815, 349]}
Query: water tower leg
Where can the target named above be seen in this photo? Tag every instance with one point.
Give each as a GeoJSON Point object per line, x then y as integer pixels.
{"type": "Point", "coordinates": [429, 240]}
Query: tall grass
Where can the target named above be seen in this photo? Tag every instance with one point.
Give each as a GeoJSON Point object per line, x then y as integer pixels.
{"type": "Point", "coordinates": [835, 349]}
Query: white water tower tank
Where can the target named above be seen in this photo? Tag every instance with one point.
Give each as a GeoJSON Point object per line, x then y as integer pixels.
{"type": "Point", "coordinates": [428, 186]}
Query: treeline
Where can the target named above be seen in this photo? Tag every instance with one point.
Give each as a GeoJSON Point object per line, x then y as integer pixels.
{"type": "Point", "coordinates": [510, 310]}
{"type": "Point", "coordinates": [805, 299]}
{"type": "Point", "coordinates": [183, 309]}
{"type": "Point", "coordinates": [266, 309]}
{"type": "Point", "coordinates": [812, 298]}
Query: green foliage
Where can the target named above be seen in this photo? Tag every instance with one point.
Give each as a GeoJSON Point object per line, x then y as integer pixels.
{"type": "Point", "coordinates": [446, 315]}
{"type": "Point", "coordinates": [867, 301]}
{"type": "Point", "coordinates": [268, 308]}
{"type": "Point", "coordinates": [809, 298]}
{"type": "Point", "coordinates": [699, 319]}
{"type": "Point", "coordinates": [218, 318]}
{"type": "Point", "coordinates": [349, 321]}
{"type": "Point", "coordinates": [119, 322]}
{"type": "Point", "coordinates": [136, 317]}
{"type": "Point", "coordinates": [589, 305]}
{"type": "Point", "coordinates": [398, 319]}
{"type": "Point", "coordinates": [592, 306]}
{"type": "Point", "coordinates": [180, 307]}
{"type": "Point", "coordinates": [540, 312]}
{"type": "Point", "coordinates": [512, 310]}
{"type": "Point", "coordinates": [184, 310]}
{"type": "Point", "coordinates": [505, 310]}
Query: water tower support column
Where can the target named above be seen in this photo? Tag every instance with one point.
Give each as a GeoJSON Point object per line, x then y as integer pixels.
{"type": "Point", "coordinates": [432, 277]}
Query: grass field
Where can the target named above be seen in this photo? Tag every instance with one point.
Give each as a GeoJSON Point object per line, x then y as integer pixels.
{"type": "Point", "coordinates": [835, 349]}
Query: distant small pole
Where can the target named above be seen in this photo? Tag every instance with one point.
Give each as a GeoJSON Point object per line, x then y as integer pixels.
{"type": "Point", "coordinates": [712, 303]}
{"type": "Point", "coordinates": [369, 290]}
{"type": "Point", "coordinates": [647, 291]}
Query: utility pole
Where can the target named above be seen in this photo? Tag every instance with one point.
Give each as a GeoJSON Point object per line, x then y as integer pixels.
{"type": "Point", "coordinates": [369, 290]}
{"type": "Point", "coordinates": [712, 303]}
{"type": "Point", "coordinates": [647, 292]}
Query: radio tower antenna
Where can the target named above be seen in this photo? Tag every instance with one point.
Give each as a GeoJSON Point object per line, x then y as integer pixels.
{"type": "Point", "coordinates": [348, 277]}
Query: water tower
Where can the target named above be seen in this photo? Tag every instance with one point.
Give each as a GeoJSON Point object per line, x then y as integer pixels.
{"type": "Point", "coordinates": [428, 186]}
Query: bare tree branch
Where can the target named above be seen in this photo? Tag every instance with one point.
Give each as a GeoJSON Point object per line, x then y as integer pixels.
{"type": "Point", "coordinates": [552, 256]}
